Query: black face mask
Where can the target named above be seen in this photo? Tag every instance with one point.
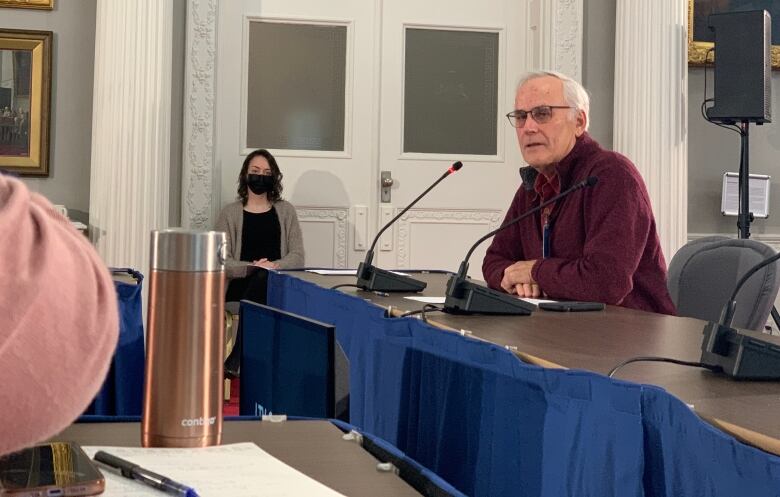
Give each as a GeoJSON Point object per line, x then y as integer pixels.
{"type": "Point", "coordinates": [260, 184]}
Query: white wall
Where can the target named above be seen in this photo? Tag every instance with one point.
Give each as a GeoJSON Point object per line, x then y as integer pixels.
{"type": "Point", "coordinates": [598, 66]}
{"type": "Point", "coordinates": [713, 151]}
{"type": "Point", "coordinates": [73, 24]}
{"type": "Point", "coordinates": [73, 57]}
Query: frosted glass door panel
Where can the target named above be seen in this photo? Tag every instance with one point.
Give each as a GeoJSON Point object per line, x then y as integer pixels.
{"type": "Point", "coordinates": [296, 86]}
{"type": "Point", "coordinates": [450, 92]}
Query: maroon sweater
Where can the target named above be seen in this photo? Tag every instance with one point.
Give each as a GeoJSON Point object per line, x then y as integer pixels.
{"type": "Point", "coordinates": [603, 242]}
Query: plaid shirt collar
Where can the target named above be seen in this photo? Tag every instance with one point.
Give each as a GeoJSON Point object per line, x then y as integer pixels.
{"type": "Point", "coordinates": [547, 188]}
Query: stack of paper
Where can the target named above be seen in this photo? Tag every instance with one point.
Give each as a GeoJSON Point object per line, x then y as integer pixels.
{"type": "Point", "coordinates": [237, 470]}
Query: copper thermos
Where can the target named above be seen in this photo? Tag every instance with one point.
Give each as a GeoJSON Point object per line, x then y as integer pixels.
{"type": "Point", "coordinates": [183, 387]}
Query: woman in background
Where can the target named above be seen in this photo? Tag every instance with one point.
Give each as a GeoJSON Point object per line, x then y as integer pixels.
{"type": "Point", "coordinates": [262, 229]}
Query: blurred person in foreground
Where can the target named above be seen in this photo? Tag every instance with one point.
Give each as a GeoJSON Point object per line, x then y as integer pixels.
{"type": "Point", "coordinates": [59, 321]}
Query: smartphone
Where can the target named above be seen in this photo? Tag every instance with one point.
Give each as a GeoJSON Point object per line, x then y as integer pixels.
{"type": "Point", "coordinates": [55, 469]}
{"type": "Point", "coordinates": [571, 306]}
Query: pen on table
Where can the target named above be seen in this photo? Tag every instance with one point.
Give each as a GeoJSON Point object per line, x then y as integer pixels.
{"type": "Point", "coordinates": [136, 472]}
{"type": "Point", "coordinates": [381, 294]}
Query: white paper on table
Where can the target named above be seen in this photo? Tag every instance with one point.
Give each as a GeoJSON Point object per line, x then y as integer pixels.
{"type": "Point", "coordinates": [537, 301]}
{"type": "Point", "coordinates": [333, 272]}
{"type": "Point", "coordinates": [440, 300]}
{"type": "Point", "coordinates": [427, 300]}
{"type": "Point", "coordinates": [237, 470]}
{"type": "Point", "coordinates": [343, 272]}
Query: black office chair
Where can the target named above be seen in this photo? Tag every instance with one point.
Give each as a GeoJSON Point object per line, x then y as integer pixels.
{"type": "Point", "coordinates": [704, 272]}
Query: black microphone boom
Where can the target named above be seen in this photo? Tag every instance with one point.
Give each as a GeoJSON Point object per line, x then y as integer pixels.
{"type": "Point", "coordinates": [466, 297]}
{"type": "Point", "coordinates": [747, 355]}
{"type": "Point", "coordinates": [372, 278]}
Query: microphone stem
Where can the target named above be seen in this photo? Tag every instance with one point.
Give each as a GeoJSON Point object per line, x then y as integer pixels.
{"type": "Point", "coordinates": [463, 269]}
{"type": "Point", "coordinates": [509, 223]}
{"type": "Point", "coordinates": [369, 257]}
{"type": "Point", "coordinates": [727, 315]}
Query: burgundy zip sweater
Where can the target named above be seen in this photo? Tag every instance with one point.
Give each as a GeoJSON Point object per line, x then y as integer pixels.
{"type": "Point", "coordinates": [603, 243]}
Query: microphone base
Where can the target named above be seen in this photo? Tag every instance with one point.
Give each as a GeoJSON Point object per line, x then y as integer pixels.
{"type": "Point", "coordinates": [467, 297]}
{"type": "Point", "coordinates": [373, 279]}
{"type": "Point", "coordinates": [741, 355]}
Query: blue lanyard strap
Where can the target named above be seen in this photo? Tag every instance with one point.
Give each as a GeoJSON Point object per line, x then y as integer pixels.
{"type": "Point", "coordinates": [546, 239]}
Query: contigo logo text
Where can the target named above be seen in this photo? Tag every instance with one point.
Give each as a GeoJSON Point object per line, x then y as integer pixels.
{"type": "Point", "coordinates": [198, 421]}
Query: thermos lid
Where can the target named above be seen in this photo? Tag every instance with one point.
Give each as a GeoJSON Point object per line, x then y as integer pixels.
{"type": "Point", "coordinates": [180, 249]}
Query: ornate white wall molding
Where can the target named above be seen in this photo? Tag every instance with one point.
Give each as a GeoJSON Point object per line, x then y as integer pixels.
{"type": "Point", "coordinates": [337, 218]}
{"type": "Point", "coordinates": [200, 176]}
{"type": "Point", "coordinates": [131, 129]}
{"type": "Point", "coordinates": [490, 219]}
{"type": "Point", "coordinates": [568, 24]}
{"type": "Point", "coordinates": [650, 118]}
{"type": "Point", "coordinates": [556, 36]}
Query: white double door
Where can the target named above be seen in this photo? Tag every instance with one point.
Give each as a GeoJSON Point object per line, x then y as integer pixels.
{"type": "Point", "coordinates": [338, 194]}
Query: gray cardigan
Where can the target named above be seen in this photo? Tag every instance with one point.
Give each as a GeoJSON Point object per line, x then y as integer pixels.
{"type": "Point", "coordinates": [231, 221]}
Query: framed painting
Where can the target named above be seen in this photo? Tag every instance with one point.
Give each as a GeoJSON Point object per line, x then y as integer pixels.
{"type": "Point", "coordinates": [701, 39]}
{"type": "Point", "coordinates": [28, 4]}
{"type": "Point", "coordinates": [25, 101]}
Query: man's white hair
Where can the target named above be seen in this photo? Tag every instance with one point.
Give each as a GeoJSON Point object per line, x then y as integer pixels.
{"type": "Point", "coordinates": [573, 92]}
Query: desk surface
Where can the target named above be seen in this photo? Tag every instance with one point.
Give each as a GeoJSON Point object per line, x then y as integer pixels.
{"type": "Point", "coordinates": [312, 447]}
{"type": "Point", "coordinates": [598, 341]}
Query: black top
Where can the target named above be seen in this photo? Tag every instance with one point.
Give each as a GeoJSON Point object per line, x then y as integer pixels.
{"type": "Point", "coordinates": [261, 236]}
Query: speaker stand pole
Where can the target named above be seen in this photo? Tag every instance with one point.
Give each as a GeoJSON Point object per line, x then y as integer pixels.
{"type": "Point", "coordinates": [745, 217]}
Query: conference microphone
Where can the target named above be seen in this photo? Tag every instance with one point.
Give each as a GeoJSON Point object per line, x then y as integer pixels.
{"type": "Point", "coordinates": [741, 354]}
{"type": "Point", "coordinates": [372, 278]}
{"type": "Point", "coordinates": [466, 297]}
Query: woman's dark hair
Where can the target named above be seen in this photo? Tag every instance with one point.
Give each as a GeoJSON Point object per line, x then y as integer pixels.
{"type": "Point", "coordinates": [274, 194]}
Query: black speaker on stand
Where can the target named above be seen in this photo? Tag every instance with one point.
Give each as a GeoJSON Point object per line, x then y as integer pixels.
{"type": "Point", "coordinates": [743, 90]}
{"type": "Point", "coordinates": [743, 70]}
{"type": "Point", "coordinates": [743, 86]}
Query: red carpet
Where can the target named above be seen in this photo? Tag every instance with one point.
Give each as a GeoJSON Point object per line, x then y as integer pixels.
{"type": "Point", "coordinates": [230, 407]}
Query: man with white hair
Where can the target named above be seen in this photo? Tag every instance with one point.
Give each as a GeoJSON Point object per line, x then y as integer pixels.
{"type": "Point", "coordinates": [597, 244]}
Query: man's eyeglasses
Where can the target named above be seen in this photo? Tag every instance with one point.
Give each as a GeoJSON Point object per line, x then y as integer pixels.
{"type": "Point", "coordinates": [541, 114]}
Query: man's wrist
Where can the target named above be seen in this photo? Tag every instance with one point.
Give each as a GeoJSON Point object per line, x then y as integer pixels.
{"type": "Point", "coordinates": [535, 269]}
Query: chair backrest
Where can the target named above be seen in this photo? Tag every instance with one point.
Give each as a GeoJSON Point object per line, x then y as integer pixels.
{"type": "Point", "coordinates": [704, 273]}
{"type": "Point", "coordinates": [123, 389]}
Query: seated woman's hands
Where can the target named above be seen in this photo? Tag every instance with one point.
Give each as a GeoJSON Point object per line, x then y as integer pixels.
{"type": "Point", "coordinates": [265, 263]}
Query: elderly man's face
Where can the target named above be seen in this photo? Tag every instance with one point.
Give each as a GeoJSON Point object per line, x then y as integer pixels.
{"type": "Point", "coordinates": [544, 145]}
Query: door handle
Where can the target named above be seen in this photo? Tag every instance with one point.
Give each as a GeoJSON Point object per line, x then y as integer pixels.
{"type": "Point", "coordinates": [386, 182]}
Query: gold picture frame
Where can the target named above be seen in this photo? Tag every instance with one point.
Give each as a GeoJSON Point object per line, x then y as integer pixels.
{"type": "Point", "coordinates": [698, 49]}
{"type": "Point", "coordinates": [28, 4]}
{"type": "Point", "coordinates": [25, 106]}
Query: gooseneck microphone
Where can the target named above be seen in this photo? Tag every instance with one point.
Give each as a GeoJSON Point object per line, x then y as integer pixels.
{"type": "Point", "coordinates": [727, 316]}
{"type": "Point", "coordinates": [466, 297]}
{"type": "Point", "coordinates": [741, 354]}
{"type": "Point", "coordinates": [372, 278]}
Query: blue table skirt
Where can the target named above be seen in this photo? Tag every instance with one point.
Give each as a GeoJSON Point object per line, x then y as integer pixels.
{"type": "Point", "coordinates": [472, 413]}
